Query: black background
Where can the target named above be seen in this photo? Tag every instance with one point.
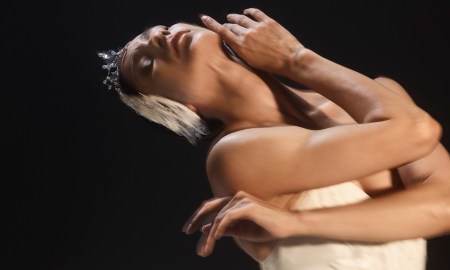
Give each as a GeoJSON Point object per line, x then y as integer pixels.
{"type": "Point", "coordinates": [89, 185]}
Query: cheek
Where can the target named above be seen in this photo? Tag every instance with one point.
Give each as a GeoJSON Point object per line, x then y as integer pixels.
{"type": "Point", "coordinates": [205, 42]}
{"type": "Point", "coordinates": [169, 83]}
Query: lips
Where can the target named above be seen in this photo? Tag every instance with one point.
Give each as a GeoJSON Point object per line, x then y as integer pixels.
{"type": "Point", "coordinates": [176, 38]}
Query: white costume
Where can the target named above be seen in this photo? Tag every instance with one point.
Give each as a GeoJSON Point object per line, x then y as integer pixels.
{"type": "Point", "coordinates": [310, 253]}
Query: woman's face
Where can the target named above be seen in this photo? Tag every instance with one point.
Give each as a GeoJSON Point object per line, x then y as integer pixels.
{"type": "Point", "coordinates": [170, 61]}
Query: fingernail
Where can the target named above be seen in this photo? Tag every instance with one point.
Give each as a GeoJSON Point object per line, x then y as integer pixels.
{"type": "Point", "coordinates": [203, 16]}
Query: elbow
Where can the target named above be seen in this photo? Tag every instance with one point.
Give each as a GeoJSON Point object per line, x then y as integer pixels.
{"type": "Point", "coordinates": [416, 132]}
{"type": "Point", "coordinates": [427, 133]}
{"type": "Point", "coordinates": [418, 136]}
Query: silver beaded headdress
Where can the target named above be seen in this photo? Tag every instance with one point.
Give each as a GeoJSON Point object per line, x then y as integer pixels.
{"type": "Point", "coordinates": [112, 59]}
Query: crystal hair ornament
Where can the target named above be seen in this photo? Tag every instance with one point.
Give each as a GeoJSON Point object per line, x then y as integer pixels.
{"type": "Point", "coordinates": [112, 59]}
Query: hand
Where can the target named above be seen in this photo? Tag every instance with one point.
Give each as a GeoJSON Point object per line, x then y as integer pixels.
{"type": "Point", "coordinates": [205, 214]}
{"type": "Point", "coordinates": [259, 40]}
{"type": "Point", "coordinates": [242, 216]}
{"type": "Point", "coordinates": [201, 220]}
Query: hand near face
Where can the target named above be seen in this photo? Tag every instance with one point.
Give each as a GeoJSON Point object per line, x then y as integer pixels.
{"type": "Point", "coordinates": [258, 39]}
{"type": "Point", "coordinates": [242, 216]}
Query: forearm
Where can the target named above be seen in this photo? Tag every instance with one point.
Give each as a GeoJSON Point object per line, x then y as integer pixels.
{"type": "Point", "coordinates": [418, 212]}
{"type": "Point", "coordinates": [362, 97]}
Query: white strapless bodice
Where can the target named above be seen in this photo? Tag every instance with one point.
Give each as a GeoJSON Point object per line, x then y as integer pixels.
{"type": "Point", "coordinates": [311, 253]}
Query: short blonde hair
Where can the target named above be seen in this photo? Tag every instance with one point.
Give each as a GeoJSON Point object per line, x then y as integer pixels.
{"type": "Point", "coordinates": [168, 113]}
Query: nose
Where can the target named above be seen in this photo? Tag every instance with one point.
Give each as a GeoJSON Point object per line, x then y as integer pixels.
{"type": "Point", "coordinates": [159, 38]}
{"type": "Point", "coordinates": [163, 32]}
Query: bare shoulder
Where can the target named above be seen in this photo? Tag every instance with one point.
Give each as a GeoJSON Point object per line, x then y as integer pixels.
{"type": "Point", "coordinates": [243, 160]}
{"type": "Point", "coordinates": [255, 140]}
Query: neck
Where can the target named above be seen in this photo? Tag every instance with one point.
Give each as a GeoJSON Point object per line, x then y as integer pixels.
{"type": "Point", "coordinates": [246, 99]}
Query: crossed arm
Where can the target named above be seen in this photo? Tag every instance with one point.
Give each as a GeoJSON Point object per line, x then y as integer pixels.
{"type": "Point", "coordinates": [389, 121]}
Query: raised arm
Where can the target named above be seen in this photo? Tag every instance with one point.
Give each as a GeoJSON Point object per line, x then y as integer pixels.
{"type": "Point", "coordinates": [266, 45]}
{"type": "Point", "coordinates": [387, 122]}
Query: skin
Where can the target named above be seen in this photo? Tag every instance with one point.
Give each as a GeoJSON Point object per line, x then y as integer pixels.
{"type": "Point", "coordinates": [282, 141]}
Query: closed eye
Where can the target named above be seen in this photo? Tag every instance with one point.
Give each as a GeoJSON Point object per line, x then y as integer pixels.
{"type": "Point", "coordinates": [146, 64]}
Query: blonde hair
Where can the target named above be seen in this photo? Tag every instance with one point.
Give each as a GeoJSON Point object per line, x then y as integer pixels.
{"type": "Point", "coordinates": [168, 113]}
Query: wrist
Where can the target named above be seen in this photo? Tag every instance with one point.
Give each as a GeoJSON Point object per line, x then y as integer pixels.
{"type": "Point", "coordinates": [306, 224]}
{"type": "Point", "coordinates": [299, 63]}
{"type": "Point", "coordinates": [301, 225]}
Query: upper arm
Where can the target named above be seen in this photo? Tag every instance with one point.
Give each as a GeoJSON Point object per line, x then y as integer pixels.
{"type": "Point", "coordinates": [271, 161]}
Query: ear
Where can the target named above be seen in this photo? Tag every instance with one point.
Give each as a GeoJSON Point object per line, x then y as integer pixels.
{"type": "Point", "coordinates": [192, 107]}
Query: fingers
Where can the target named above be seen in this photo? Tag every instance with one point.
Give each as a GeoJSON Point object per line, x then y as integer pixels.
{"type": "Point", "coordinates": [205, 244]}
{"type": "Point", "coordinates": [237, 25]}
{"type": "Point", "coordinates": [257, 14]}
{"type": "Point", "coordinates": [207, 241]}
{"type": "Point", "coordinates": [206, 228]}
{"type": "Point", "coordinates": [241, 20]}
{"type": "Point", "coordinates": [226, 224]}
{"type": "Point", "coordinates": [234, 211]}
{"type": "Point", "coordinates": [236, 29]}
{"type": "Point", "coordinates": [243, 206]}
{"type": "Point", "coordinates": [206, 212]}
{"type": "Point", "coordinates": [221, 30]}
